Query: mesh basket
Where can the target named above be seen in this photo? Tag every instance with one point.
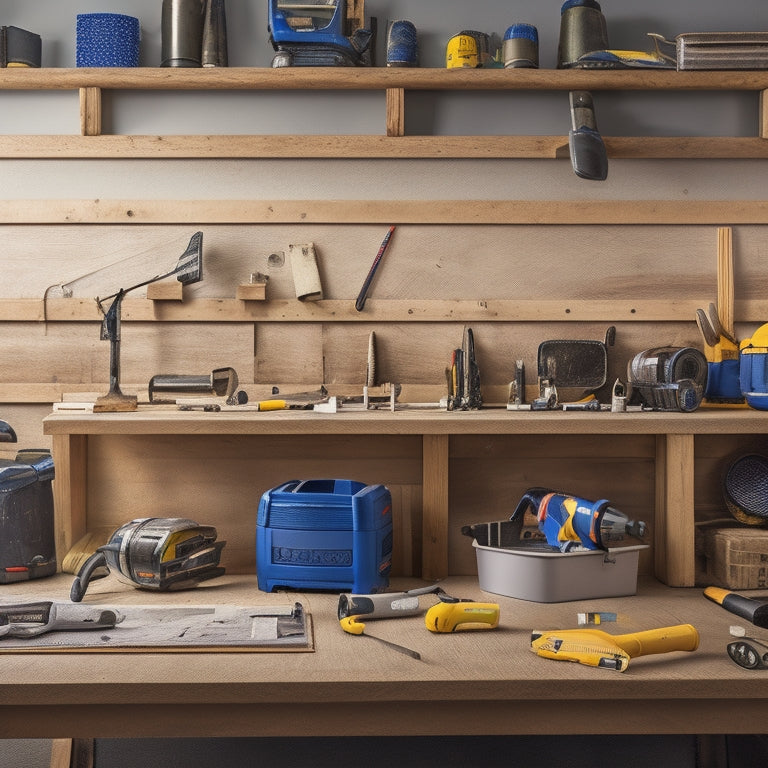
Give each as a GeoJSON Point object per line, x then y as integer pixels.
{"type": "Point", "coordinates": [745, 489]}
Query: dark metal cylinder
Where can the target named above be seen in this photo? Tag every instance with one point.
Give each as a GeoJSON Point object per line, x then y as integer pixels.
{"type": "Point", "coordinates": [182, 33]}
{"type": "Point", "coordinates": [582, 30]}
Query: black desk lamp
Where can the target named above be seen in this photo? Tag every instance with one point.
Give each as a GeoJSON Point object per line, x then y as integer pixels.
{"type": "Point", "coordinates": [189, 269]}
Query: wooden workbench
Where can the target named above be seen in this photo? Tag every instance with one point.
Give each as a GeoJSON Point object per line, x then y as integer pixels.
{"type": "Point", "coordinates": [485, 682]}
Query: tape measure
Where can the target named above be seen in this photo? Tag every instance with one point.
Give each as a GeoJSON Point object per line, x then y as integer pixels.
{"type": "Point", "coordinates": [450, 616]}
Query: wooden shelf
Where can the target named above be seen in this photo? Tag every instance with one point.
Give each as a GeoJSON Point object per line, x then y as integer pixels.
{"type": "Point", "coordinates": [356, 211]}
{"type": "Point", "coordinates": [394, 83]}
{"type": "Point", "coordinates": [376, 310]}
{"type": "Point", "coordinates": [377, 78]}
{"type": "Point", "coordinates": [674, 515]}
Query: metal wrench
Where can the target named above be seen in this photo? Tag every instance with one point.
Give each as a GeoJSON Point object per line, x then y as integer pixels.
{"type": "Point", "coordinates": [33, 619]}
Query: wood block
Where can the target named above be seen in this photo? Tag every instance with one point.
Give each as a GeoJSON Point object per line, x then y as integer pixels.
{"type": "Point", "coordinates": [165, 290]}
{"type": "Point", "coordinates": [251, 291]}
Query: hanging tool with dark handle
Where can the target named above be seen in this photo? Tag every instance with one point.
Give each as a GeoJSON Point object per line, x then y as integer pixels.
{"type": "Point", "coordinates": [588, 155]}
{"type": "Point", "coordinates": [360, 303]}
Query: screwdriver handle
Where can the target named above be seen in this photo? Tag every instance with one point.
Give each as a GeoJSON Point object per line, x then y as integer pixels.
{"type": "Point", "coordinates": [272, 405]}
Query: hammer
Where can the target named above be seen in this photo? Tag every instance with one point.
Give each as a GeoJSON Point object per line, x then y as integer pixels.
{"type": "Point", "coordinates": [755, 611]}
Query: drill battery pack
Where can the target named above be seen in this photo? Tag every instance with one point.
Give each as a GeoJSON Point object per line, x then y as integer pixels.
{"type": "Point", "coordinates": [325, 535]}
{"type": "Point", "coordinates": [27, 539]}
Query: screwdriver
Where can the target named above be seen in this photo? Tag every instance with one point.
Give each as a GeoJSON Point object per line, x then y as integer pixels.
{"type": "Point", "coordinates": [354, 627]}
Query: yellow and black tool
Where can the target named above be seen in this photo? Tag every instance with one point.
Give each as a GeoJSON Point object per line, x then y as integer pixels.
{"type": "Point", "coordinates": [748, 608]}
{"type": "Point", "coordinates": [595, 648]}
{"type": "Point", "coordinates": [721, 350]}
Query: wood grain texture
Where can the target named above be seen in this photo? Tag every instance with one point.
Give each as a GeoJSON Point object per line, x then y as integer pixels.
{"type": "Point", "coordinates": [392, 145]}
{"type": "Point", "coordinates": [353, 211]}
{"type": "Point", "coordinates": [376, 78]}
{"type": "Point", "coordinates": [90, 111]}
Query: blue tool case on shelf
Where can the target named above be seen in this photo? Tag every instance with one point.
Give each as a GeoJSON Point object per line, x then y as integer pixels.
{"type": "Point", "coordinates": [27, 538]}
{"type": "Point", "coordinates": [324, 534]}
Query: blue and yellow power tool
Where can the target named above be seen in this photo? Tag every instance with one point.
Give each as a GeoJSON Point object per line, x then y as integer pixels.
{"type": "Point", "coordinates": [569, 522]}
{"type": "Point", "coordinates": [313, 34]}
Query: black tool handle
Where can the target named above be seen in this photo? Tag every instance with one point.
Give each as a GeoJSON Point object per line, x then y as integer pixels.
{"type": "Point", "coordinates": [80, 584]}
{"type": "Point", "coordinates": [748, 608]}
{"type": "Point", "coordinates": [360, 303]}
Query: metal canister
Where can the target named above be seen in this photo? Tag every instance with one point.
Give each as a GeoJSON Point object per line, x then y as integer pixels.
{"type": "Point", "coordinates": [521, 46]}
{"type": "Point", "coordinates": [582, 30]}
{"type": "Point", "coordinates": [182, 33]}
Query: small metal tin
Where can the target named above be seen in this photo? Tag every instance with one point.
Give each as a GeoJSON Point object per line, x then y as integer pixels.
{"type": "Point", "coordinates": [521, 47]}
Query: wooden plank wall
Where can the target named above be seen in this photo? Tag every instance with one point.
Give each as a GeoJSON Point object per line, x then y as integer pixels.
{"type": "Point", "coordinates": [518, 284]}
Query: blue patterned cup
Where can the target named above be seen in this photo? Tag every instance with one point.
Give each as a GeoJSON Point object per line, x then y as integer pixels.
{"type": "Point", "coordinates": [107, 40]}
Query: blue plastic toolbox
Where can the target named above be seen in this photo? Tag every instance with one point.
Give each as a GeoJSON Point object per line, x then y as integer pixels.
{"type": "Point", "coordinates": [27, 539]}
{"type": "Point", "coordinates": [324, 534]}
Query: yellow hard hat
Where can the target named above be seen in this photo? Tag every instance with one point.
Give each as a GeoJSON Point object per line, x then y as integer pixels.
{"type": "Point", "coordinates": [758, 343]}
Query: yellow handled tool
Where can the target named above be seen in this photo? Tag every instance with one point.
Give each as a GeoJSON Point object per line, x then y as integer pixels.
{"type": "Point", "coordinates": [272, 405]}
{"type": "Point", "coordinates": [596, 648]}
{"type": "Point", "coordinates": [351, 625]}
{"type": "Point", "coordinates": [461, 615]}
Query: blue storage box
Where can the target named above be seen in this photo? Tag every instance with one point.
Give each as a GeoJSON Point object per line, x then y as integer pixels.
{"type": "Point", "coordinates": [325, 534]}
{"type": "Point", "coordinates": [27, 538]}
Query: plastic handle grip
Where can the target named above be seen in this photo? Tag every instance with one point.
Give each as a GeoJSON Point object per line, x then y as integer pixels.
{"type": "Point", "coordinates": [682, 637]}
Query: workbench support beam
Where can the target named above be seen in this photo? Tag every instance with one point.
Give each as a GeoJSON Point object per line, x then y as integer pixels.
{"type": "Point", "coordinates": [674, 550]}
{"type": "Point", "coordinates": [435, 506]}
{"type": "Point", "coordinates": [70, 458]}
{"type": "Point", "coordinates": [395, 111]}
{"type": "Point", "coordinates": [90, 111]}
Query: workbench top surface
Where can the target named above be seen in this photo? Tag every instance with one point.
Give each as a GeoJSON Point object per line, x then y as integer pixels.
{"type": "Point", "coordinates": [154, 419]}
{"type": "Point", "coordinates": [473, 682]}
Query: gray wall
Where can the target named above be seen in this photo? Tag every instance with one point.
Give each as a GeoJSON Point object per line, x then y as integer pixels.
{"type": "Point", "coordinates": [327, 112]}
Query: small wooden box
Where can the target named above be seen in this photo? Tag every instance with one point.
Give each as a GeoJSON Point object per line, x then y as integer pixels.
{"type": "Point", "coordinates": [737, 558]}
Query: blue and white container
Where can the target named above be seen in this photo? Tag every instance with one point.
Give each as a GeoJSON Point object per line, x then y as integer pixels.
{"type": "Point", "coordinates": [108, 40]}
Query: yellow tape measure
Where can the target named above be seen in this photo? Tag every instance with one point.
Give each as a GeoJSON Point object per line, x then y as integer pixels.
{"type": "Point", "coordinates": [463, 615]}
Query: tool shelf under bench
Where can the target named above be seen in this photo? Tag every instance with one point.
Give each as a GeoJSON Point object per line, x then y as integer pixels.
{"type": "Point", "coordinates": [466, 683]}
{"type": "Point", "coordinates": [673, 455]}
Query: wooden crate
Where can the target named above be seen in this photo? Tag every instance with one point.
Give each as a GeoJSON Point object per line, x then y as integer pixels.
{"type": "Point", "coordinates": [737, 558]}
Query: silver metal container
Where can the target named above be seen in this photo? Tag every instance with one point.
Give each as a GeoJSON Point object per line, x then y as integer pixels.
{"type": "Point", "coordinates": [182, 33]}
